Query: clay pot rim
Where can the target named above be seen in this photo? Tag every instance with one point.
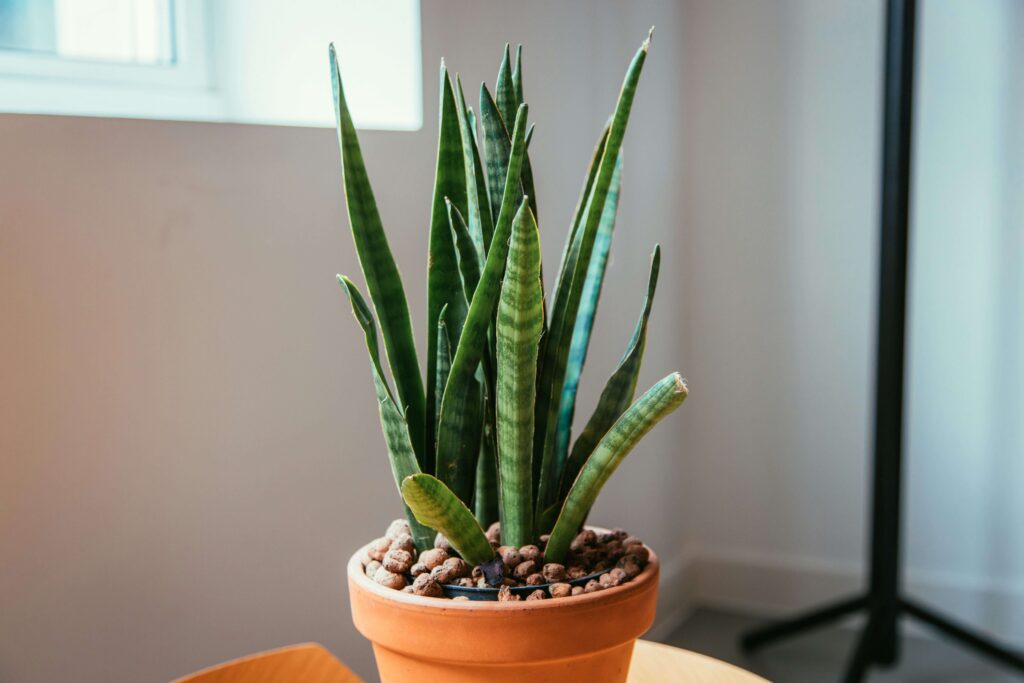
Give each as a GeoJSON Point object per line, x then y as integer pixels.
{"type": "Point", "coordinates": [421, 603]}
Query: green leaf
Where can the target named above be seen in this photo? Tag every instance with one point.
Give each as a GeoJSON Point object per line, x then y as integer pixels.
{"type": "Point", "coordinates": [435, 505]}
{"type": "Point", "coordinates": [519, 326]}
{"type": "Point", "coordinates": [497, 149]}
{"type": "Point", "coordinates": [517, 83]}
{"type": "Point", "coordinates": [443, 363]}
{"type": "Point", "coordinates": [379, 269]}
{"type": "Point", "coordinates": [465, 250]}
{"type": "Point", "coordinates": [444, 286]}
{"type": "Point", "coordinates": [505, 90]}
{"type": "Point", "coordinates": [456, 459]}
{"type": "Point", "coordinates": [619, 389]}
{"type": "Point", "coordinates": [585, 317]}
{"type": "Point", "coordinates": [396, 430]}
{"type": "Point", "coordinates": [660, 400]}
{"type": "Point", "coordinates": [563, 315]}
{"type": "Point", "coordinates": [481, 224]}
{"type": "Point", "coordinates": [485, 500]}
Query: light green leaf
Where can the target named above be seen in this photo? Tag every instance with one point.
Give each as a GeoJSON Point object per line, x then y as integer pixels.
{"type": "Point", "coordinates": [396, 430]}
{"type": "Point", "coordinates": [618, 390]}
{"type": "Point", "coordinates": [519, 325]}
{"type": "Point", "coordinates": [660, 400]}
{"type": "Point", "coordinates": [435, 505]}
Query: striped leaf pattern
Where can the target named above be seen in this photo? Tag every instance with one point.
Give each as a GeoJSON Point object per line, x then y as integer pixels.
{"type": "Point", "coordinates": [556, 349]}
{"type": "Point", "coordinates": [396, 430]}
{"type": "Point", "coordinates": [456, 457]}
{"type": "Point", "coordinates": [660, 400]}
{"type": "Point", "coordinates": [379, 269]}
{"type": "Point", "coordinates": [585, 317]}
{"type": "Point", "coordinates": [618, 390]}
{"type": "Point", "coordinates": [519, 326]}
{"type": "Point", "coordinates": [488, 431]}
{"type": "Point", "coordinates": [436, 506]}
{"type": "Point", "coordinates": [444, 286]}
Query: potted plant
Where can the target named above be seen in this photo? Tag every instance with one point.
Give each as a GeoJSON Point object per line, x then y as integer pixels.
{"type": "Point", "coordinates": [492, 574]}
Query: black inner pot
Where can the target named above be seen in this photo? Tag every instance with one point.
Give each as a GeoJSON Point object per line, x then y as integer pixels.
{"type": "Point", "coordinates": [474, 593]}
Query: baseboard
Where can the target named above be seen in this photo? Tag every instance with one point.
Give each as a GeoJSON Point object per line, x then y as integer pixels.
{"type": "Point", "coordinates": [773, 586]}
{"type": "Point", "coordinates": [676, 593]}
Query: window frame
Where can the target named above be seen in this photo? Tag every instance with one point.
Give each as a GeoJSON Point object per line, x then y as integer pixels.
{"type": "Point", "coordinates": [49, 84]}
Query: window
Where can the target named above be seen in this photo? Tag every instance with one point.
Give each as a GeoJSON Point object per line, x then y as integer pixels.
{"type": "Point", "coordinates": [249, 61]}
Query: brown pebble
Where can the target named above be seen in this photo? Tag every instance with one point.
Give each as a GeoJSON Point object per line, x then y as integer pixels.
{"type": "Point", "coordinates": [457, 567]}
{"type": "Point", "coordinates": [466, 582]}
{"type": "Point", "coordinates": [524, 569]}
{"type": "Point", "coordinates": [426, 586]}
{"type": "Point", "coordinates": [506, 595]}
{"type": "Point", "coordinates": [460, 597]}
{"type": "Point", "coordinates": [537, 595]}
{"type": "Point", "coordinates": [640, 550]}
{"type": "Point", "coordinates": [482, 583]}
{"type": "Point", "coordinates": [544, 538]}
{"type": "Point", "coordinates": [578, 590]}
{"type": "Point", "coordinates": [372, 567]}
{"type": "Point", "coordinates": [389, 579]}
{"type": "Point", "coordinates": [630, 566]}
{"type": "Point", "coordinates": [418, 568]}
{"type": "Point", "coordinates": [441, 543]}
{"type": "Point", "coordinates": [535, 579]}
{"type": "Point", "coordinates": [494, 532]}
{"type": "Point", "coordinates": [434, 557]}
{"type": "Point", "coordinates": [508, 581]}
{"type": "Point", "coordinates": [379, 548]}
{"type": "Point", "coordinates": [510, 556]}
{"type": "Point", "coordinates": [397, 528]}
{"type": "Point", "coordinates": [575, 572]}
{"type": "Point", "coordinates": [441, 574]}
{"type": "Point", "coordinates": [592, 586]}
{"type": "Point", "coordinates": [397, 561]}
{"type": "Point", "coordinates": [477, 572]}
{"type": "Point", "coordinates": [607, 580]}
{"type": "Point", "coordinates": [530, 552]}
{"type": "Point", "coordinates": [618, 576]}
{"type": "Point", "coordinates": [560, 590]}
{"type": "Point", "coordinates": [404, 542]}
{"type": "Point", "coordinates": [553, 572]}
{"type": "Point", "coordinates": [407, 589]}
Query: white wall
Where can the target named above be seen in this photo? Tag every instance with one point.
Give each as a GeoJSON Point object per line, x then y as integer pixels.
{"type": "Point", "coordinates": [189, 432]}
{"type": "Point", "coordinates": [781, 130]}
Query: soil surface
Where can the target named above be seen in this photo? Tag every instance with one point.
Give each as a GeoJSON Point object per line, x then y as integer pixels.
{"type": "Point", "coordinates": [596, 561]}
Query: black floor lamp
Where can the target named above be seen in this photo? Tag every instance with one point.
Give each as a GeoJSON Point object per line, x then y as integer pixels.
{"type": "Point", "coordinates": [883, 600]}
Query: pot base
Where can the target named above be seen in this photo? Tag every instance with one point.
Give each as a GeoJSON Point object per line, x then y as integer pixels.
{"type": "Point", "coordinates": [608, 666]}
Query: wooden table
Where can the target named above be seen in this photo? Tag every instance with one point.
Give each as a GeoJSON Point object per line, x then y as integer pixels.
{"type": "Point", "coordinates": [657, 663]}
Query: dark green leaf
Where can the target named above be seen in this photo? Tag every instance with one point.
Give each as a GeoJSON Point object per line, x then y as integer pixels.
{"type": "Point", "coordinates": [379, 269]}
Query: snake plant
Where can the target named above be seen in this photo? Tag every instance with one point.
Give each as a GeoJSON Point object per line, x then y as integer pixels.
{"type": "Point", "coordinates": [487, 436]}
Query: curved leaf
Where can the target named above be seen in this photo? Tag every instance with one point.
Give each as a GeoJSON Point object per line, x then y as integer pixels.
{"type": "Point", "coordinates": [435, 505]}
{"type": "Point", "coordinates": [379, 269]}
{"type": "Point", "coordinates": [396, 430]}
{"type": "Point", "coordinates": [519, 325]}
{"type": "Point", "coordinates": [660, 400]}
{"type": "Point", "coordinates": [618, 390]}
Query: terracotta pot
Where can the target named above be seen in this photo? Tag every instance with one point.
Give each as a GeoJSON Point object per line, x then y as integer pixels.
{"type": "Point", "coordinates": [587, 638]}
